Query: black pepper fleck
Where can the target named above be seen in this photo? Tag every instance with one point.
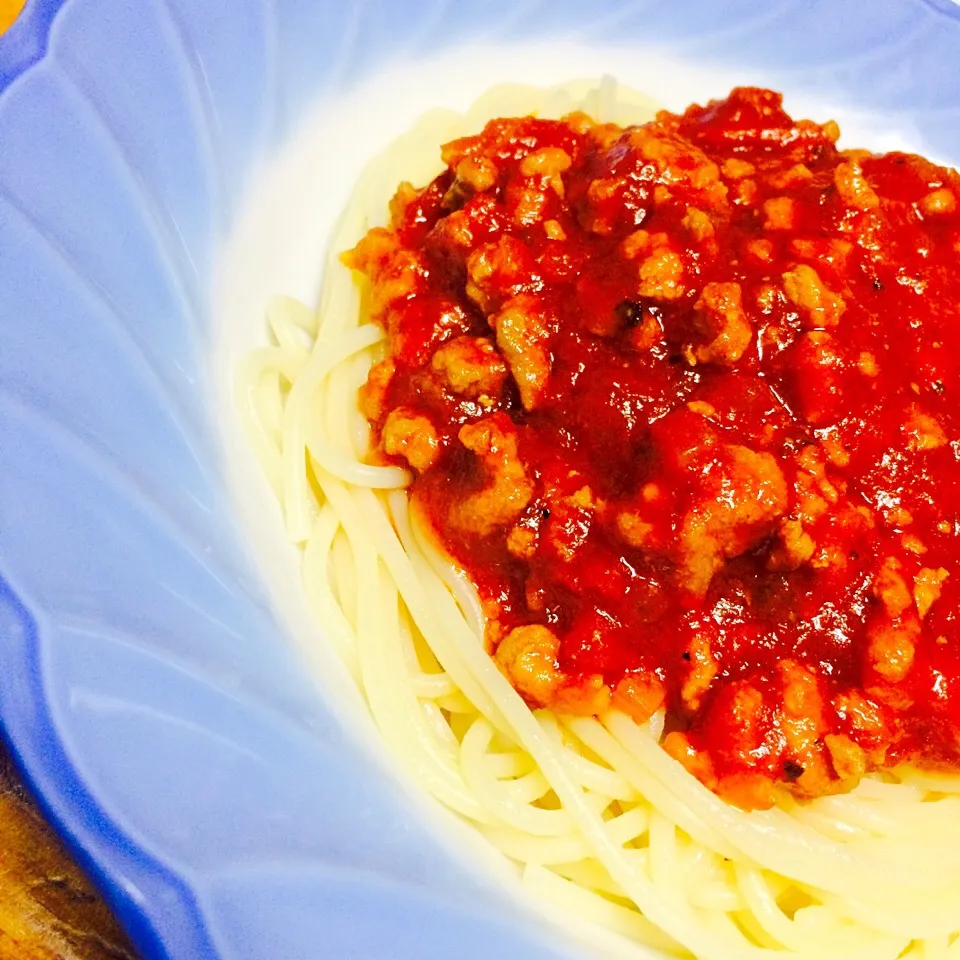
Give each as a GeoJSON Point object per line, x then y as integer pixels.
{"type": "Point", "coordinates": [629, 312]}
{"type": "Point", "coordinates": [793, 770]}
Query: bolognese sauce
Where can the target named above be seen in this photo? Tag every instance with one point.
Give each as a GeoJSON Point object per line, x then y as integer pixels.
{"type": "Point", "coordinates": [681, 398]}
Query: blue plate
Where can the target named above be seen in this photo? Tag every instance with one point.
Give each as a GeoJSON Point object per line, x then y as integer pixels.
{"type": "Point", "coordinates": [170, 729]}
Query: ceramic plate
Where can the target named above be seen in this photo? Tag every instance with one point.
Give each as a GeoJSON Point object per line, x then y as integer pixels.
{"type": "Point", "coordinates": [165, 165]}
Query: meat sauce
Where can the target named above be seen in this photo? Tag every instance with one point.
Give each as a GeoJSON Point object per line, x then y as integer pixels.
{"type": "Point", "coordinates": [681, 398]}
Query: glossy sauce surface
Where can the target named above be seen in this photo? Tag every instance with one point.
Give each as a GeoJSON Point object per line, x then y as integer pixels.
{"type": "Point", "coordinates": [682, 399]}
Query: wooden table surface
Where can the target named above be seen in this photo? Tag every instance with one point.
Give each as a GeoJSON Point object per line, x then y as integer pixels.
{"type": "Point", "coordinates": [48, 909]}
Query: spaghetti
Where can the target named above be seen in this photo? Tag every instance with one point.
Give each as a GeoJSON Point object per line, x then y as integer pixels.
{"type": "Point", "coordinates": [597, 817]}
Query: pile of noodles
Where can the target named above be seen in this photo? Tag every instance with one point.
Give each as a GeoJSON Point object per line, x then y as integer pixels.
{"type": "Point", "coordinates": [598, 820]}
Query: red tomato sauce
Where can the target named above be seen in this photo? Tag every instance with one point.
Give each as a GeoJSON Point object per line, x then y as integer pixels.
{"type": "Point", "coordinates": [682, 400]}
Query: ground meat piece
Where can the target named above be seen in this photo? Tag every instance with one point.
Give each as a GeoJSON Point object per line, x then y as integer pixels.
{"type": "Point", "coordinates": [699, 224]}
{"type": "Point", "coordinates": [927, 585]}
{"type": "Point", "coordinates": [470, 367]}
{"type": "Point", "coordinates": [507, 490]}
{"type": "Point", "coordinates": [586, 696]}
{"type": "Point", "coordinates": [549, 163]}
{"type": "Point", "coordinates": [373, 393]}
{"type": "Point", "coordinates": [679, 162]}
{"type": "Point", "coordinates": [571, 518]}
{"type": "Point", "coordinates": [696, 762]}
{"type": "Point", "coordinates": [802, 725]}
{"type": "Point", "coordinates": [865, 721]}
{"type": "Point", "coordinates": [853, 187]}
{"type": "Point", "coordinates": [736, 506]}
{"type": "Point", "coordinates": [396, 272]}
{"type": "Point", "coordinates": [554, 230]}
{"type": "Point", "coordinates": [923, 431]}
{"type": "Point", "coordinates": [736, 497]}
{"type": "Point", "coordinates": [892, 646]}
{"type": "Point", "coordinates": [722, 322]}
{"type": "Point", "coordinates": [703, 668]}
{"type": "Point", "coordinates": [847, 757]}
{"type": "Point", "coordinates": [411, 436]}
{"type": "Point", "coordinates": [633, 528]}
{"type": "Point", "coordinates": [528, 658]}
{"type": "Point", "coordinates": [660, 276]}
{"type": "Point", "coordinates": [522, 542]}
{"type": "Point", "coordinates": [939, 201]}
{"type": "Point", "coordinates": [795, 547]}
{"type": "Point", "coordinates": [778, 213]}
{"type": "Point", "coordinates": [736, 169]}
{"type": "Point", "coordinates": [891, 589]}
{"type": "Point", "coordinates": [760, 249]}
{"type": "Point", "coordinates": [478, 173]}
{"type": "Point", "coordinates": [497, 271]}
{"type": "Point", "coordinates": [819, 305]}
{"type": "Point", "coordinates": [639, 696]}
{"type": "Point", "coordinates": [749, 791]}
{"type": "Point", "coordinates": [792, 176]}
{"type": "Point", "coordinates": [522, 336]}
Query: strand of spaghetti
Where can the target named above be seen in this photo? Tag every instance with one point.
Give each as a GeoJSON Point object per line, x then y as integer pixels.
{"type": "Point", "coordinates": [930, 914]}
{"type": "Point", "coordinates": [936, 949]}
{"type": "Point", "coordinates": [293, 325]}
{"type": "Point", "coordinates": [357, 427]}
{"type": "Point", "coordinates": [831, 828]}
{"type": "Point", "coordinates": [392, 702]}
{"type": "Point", "coordinates": [453, 578]}
{"type": "Point", "coordinates": [930, 820]}
{"type": "Point", "coordinates": [302, 423]}
{"type": "Point", "coordinates": [611, 916]}
{"type": "Point", "coordinates": [446, 741]}
{"type": "Point", "coordinates": [802, 852]}
{"type": "Point", "coordinates": [268, 393]}
{"type": "Point", "coordinates": [521, 846]}
{"type": "Point", "coordinates": [432, 686]}
{"type": "Point", "coordinates": [342, 576]}
{"type": "Point", "coordinates": [873, 788]}
{"type": "Point", "coordinates": [592, 875]}
{"type": "Point", "coordinates": [265, 446]}
{"type": "Point", "coordinates": [521, 816]}
{"type": "Point", "coordinates": [629, 826]}
{"type": "Point", "coordinates": [778, 926]}
{"type": "Point", "coordinates": [602, 779]}
{"type": "Point", "coordinates": [675, 919]}
{"type": "Point", "coordinates": [932, 782]}
{"type": "Point", "coordinates": [315, 574]}
{"type": "Point", "coordinates": [337, 407]}
{"type": "Point", "coordinates": [591, 733]}
{"type": "Point", "coordinates": [435, 611]}
{"type": "Point", "coordinates": [663, 855]}
{"type": "Point", "coordinates": [513, 764]}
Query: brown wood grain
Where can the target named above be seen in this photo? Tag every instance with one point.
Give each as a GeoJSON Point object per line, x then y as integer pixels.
{"type": "Point", "coordinates": [48, 908]}
{"type": "Point", "coordinates": [9, 11]}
